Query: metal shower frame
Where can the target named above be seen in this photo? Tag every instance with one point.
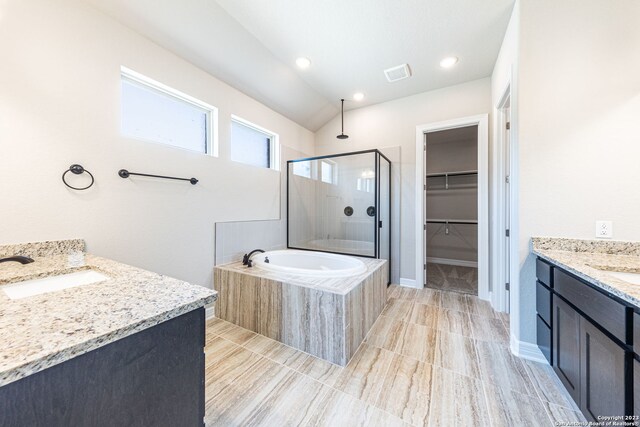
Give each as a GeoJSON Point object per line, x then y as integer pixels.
{"type": "Point", "coordinates": [377, 223]}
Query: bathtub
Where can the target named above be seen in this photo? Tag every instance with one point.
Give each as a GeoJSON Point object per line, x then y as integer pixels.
{"type": "Point", "coordinates": [307, 263]}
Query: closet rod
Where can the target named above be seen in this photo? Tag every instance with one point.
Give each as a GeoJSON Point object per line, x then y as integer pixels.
{"type": "Point", "coordinates": [452, 221]}
{"type": "Point", "coordinates": [457, 173]}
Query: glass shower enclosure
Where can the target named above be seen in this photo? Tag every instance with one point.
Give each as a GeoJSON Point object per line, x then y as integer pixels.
{"type": "Point", "coordinates": [340, 204]}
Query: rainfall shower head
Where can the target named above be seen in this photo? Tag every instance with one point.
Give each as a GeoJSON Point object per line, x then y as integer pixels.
{"type": "Point", "coordinates": [342, 135]}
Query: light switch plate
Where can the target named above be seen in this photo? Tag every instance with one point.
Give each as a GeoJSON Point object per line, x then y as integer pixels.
{"type": "Point", "coordinates": [604, 229]}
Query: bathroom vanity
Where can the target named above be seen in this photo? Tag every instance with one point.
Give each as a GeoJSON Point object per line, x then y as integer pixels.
{"type": "Point", "coordinates": [126, 349]}
{"type": "Point", "coordinates": [588, 322]}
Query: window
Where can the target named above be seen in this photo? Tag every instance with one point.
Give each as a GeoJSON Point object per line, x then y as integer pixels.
{"type": "Point", "coordinates": [253, 145]}
{"type": "Point", "coordinates": [154, 112]}
{"type": "Point", "coordinates": [328, 172]}
{"type": "Point", "coordinates": [302, 169]}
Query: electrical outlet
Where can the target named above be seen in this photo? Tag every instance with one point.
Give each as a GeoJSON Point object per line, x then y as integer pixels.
{"type": "Point", "coordinates": [604, 229]}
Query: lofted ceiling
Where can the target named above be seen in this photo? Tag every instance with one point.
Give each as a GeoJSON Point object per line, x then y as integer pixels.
{"type": "Point", "coordinates": [252, 45]}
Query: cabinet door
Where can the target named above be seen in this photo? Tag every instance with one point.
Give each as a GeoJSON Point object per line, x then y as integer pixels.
{"type": "Point", "coordinates": [566, 346]}
{"type": "Point", "coordinates": [602, 380]}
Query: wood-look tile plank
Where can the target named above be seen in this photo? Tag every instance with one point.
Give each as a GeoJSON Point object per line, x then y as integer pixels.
{"type": "Point", "coordinates": [233, 403]}
{"type": "Point", "coordinates": [508, 408]}
{"type": "Point", "coordinates": [290, 402]}
{"type": "Point", "coordinates": [404, 292]}
{"type": "Point", "coordinates": [342, 410]}
{"type": "Point", "coordinates": [457, 400]}
{"type": "Point", "coordinates": [418, 342]}
{"type": "Point", "coordinates": [480, 307]}
{"type": "Point", "coordinates": [235, 333]}
{"type": "Point", "coordinates": [364, 375]}
{"type": "Point", "coordinates": [386, 333]}
{"type": "Point", "coordinates": [455, 301]}
{"type": "Point", "coordinates": [548, 385]}
{"type": "Point", "coordinates": [455, 322]}
{"type": "Point", "coordinates": [426, 315]}
{"type": "Point", "coordinates": [406, 391]}
{"type": "Point", "coordinates": [398, 309]}
{"type": "Point", "coordinates": [563, 416]}
{"type": "Point", "coordinates": [320, 370]}
{"type": "Point", "coordinates": [429, 296]}
{"type": "Point", "coordinates": [489, 329]}
{"type": "Point", "coordinates": [500, 367]}
{"type": "Point", "coordinates": [457, 353]}
{"type": "Point", "coordinates": [217, 348]}
{"type": "Point", "coordinates": [276, 351]}
{"type": "Point", "coordinates": [227, 368]}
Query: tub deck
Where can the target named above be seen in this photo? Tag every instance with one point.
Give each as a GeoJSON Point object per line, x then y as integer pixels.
{"type": "Point", "coordinates": [323, 316]}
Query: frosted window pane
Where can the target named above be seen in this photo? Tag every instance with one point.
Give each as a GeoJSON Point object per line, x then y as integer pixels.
{"type": "Point", "coordinates": [250, 146]}
{"type": "Point", "coordinates": [155, 116]}
{"type": "Point", "coordinates": [302, 169]}
{"type": "Point", "coordinates": [327, 172]}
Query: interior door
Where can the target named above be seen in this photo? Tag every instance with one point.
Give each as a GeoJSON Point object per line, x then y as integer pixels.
{"type": "Point", "coordinates": [507, 204]}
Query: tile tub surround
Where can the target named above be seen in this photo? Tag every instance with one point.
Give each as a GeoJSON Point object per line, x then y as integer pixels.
{"type": "Point", "coordinates": [325, 317]}
{"type": "Point", "coordinates": [588, 258]}
{"type": "Point", "coordinates": [43, 330]}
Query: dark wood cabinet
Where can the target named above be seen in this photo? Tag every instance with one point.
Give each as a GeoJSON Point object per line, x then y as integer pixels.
{"type": "Point", "coordinates": [591, 336]}
{"type": "Point", "coordinates": [566, 346]}
{"type": "Point", "coordinates": [602, 373]}
{"type": "Point", "coordinates": [154, 377]}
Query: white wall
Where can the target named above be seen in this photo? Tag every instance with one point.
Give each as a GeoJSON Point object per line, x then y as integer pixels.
{"type": "Point", "coordinates": [394, 124]}
{"type": "Point", "coordinates": [579, 110]}
{"type": "Point", "coordinates": [504, 79]}
{"type": "Point", "coordinates": [59, 104]}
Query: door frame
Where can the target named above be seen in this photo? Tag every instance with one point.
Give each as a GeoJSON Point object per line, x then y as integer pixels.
{"type": "Point", "coordinates": [501, 252]}
{"type": "Point", "coordinates": [482, 121]}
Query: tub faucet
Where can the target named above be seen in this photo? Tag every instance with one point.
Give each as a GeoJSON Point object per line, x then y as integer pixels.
{"type": "Point", "coordinates": [246, 259]}
{"type": "Point", "coordinates": [18, 258]}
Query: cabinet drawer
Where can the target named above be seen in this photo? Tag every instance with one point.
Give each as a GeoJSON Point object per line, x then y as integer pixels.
{"type": "Point", "coordinates": [544, 338]}
{"type": "Point", "coordinates": [543, 272]}
{"type": "Point", "coordinates": [636, 333]}
{"type": "Point", "coordinates": [543, 302]}
{"type": "Point", "coordinates": [602, 309]}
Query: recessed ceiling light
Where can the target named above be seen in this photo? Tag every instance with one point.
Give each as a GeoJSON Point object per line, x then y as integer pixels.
{"type": "Point", "coordinates": [358, 96]}
{"type": "Point", "coordinates": [303, 62]}
{"type": "Point", "coordinates": [449, 62]}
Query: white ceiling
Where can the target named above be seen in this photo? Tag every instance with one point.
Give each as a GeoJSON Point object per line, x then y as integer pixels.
{"type": "Point", "coordinates": [252, 45]}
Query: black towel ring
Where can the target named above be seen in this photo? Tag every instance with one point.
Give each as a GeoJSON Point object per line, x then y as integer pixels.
{"type": "Point", "coordinates": [77, 170]}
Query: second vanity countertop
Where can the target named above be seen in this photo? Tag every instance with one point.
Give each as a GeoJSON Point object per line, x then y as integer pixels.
{"type": "Point", "coordinates": [43, 330]}
{"type": "Point", "coordinates": [591, 259]}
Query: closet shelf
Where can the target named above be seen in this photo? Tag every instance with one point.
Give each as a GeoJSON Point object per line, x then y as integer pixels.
{"type": "Point", "coordinates": [452, 221]}
{"type": "Point", "coordinates": [455, 173]}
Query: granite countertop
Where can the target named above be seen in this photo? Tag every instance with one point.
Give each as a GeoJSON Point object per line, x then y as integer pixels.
{"type": "Point", "coordinates": [590, 260]}
{"type": "Point", "coordinates": [337, 285]}
{"type": "Point", "coordinates": [43, 330]}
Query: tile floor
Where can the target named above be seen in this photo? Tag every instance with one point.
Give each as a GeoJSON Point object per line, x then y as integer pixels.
{"type": "Point", "coordinates": [452, 278]}
{"type": "Point", "coordinates": [433, 358]}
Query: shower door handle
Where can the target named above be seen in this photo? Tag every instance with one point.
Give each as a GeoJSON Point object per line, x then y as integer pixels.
{"type": "Point", "coordinates": [379, 224]}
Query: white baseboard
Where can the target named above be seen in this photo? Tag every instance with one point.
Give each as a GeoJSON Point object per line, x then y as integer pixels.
{"type": "Point", "coordinates": [527, 350]}
{"type": "Point", "coordinates": [408, 282]}
{"type": "Point", "coordinates": [209, 312]}
{"type": "Point", "coordinates": [447, 261]}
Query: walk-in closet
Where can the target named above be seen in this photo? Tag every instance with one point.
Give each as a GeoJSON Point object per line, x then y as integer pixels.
{"type": "Point", "coordinates": [451, 207]}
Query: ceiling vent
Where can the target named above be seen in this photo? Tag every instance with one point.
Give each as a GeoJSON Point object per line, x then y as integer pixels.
{"type": "Point", "coordinates": [400, 72]}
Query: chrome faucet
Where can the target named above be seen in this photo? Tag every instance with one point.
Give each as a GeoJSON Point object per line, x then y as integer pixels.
{"type": "Point", "coordinates": [246, 259]}
{"type": "Point", "coordinates": [18, 258]}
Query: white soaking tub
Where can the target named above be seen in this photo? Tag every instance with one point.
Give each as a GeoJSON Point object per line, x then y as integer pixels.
{"type": "Point", "coordinates": [308, 263]}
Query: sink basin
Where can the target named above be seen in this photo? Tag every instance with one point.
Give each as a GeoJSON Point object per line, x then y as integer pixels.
{"type": "Point", "coordinates": [625, 276]}
{"type": "Point", "coordinates": [45, 285]}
